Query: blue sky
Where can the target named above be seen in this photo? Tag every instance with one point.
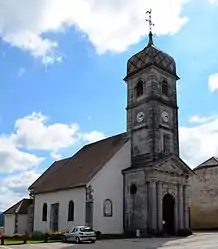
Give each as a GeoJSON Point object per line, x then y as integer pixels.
{"type": "Point", "coordinates": [62, 81]}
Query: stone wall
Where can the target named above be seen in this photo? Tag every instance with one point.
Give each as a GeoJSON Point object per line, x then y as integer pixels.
{"type": "Point", "coordinates": [147, 136]}
{"type": "Point", "coordinates": [30, 218]}
{"type": "Point", "coordinates": [204, 198]}
{"type": "Point", "coordinates": [136, 207]}
{"type": "Point", "coordinates": [144, 209]}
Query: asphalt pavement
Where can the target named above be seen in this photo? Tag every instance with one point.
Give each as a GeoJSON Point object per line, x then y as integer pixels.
{"type": "Point", "coordinates": [195, 241]}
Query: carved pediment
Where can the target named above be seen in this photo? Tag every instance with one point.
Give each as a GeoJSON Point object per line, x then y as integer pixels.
{"type": "Point", "coordinates": [173, 165]}
{"type": "Point", "coordinates": [169, 167]}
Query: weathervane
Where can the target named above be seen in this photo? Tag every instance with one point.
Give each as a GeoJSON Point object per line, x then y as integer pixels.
{"type": "Point", "coordinates": [149, 20]}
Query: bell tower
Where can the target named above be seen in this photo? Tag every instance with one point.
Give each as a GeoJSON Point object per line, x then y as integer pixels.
{"type": "Point", "coordinates": [157, 173]}
{"type": "Point", "coordinates": [152, 112]}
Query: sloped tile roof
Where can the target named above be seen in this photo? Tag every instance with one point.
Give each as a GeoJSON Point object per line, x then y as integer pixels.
{"type": "Point", "coordinates": [211, 162]}
{"type": "Point", "coordinates": [79, 169]}
{"type": "Point", "coordinates": [20, 207]}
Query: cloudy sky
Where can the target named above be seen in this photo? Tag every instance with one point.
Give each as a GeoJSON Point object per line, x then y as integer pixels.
{"type": "Point", "coordinates": [61, 71]}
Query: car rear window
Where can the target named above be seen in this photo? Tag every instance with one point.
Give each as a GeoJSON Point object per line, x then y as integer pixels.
{"type": "Point", "coordinates": [86, 229]}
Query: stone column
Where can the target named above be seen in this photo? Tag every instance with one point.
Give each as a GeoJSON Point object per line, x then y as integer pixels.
{"type": "Point", "coordinates": [186, 205]}
{"type": "Point", "coordinates": [153, 205]}
{"type": "Point", "coordinates": [159, 207]}
{"type": "Point", "coordinates": [176, 221]}
{"type": "Point", "coordinates": [180, 207]}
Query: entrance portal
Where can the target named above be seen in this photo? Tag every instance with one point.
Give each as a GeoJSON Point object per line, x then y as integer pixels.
{"type": "Point", "coordinates": [168, 214]}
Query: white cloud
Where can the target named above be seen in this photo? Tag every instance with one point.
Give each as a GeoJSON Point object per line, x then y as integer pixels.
{"type": "Point", "coordinates": [13, 159]}
{"type": "Point", "coordinates": [19, 182]}
{"type": "Point", "coordinates": [109, 25]}
{"type": "Point", "coordinates": [34, 133]}
{"type": "Point", "coordinates": [213, 1]}
{"type": "Point", "coordinates": [55, 156]}
{"type": "Point", "coordinates": [15, 187]}
{"type": "Point", "coordinates": [200, 142]}
{"type": "Point", "coordinates": [213, 82]}
{"type": "Point", "coordinates": [21, 71]}
{"type": "Point", "coordinates": [200, 119]}
{"type": "Point", "coordinates": [93, 136]}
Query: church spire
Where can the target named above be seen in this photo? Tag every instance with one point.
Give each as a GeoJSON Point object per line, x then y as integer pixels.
{"type": "Point", "coordinates": [150, 41]}
{"type": "Point", "coordinates": [151, 24]}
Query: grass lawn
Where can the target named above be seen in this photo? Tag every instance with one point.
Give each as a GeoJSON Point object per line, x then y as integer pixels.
{"type": "Point", "coordinates": [30, 241]}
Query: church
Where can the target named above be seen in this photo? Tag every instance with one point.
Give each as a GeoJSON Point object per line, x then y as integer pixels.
{"type": "Point", "coordinates": [130, 181]}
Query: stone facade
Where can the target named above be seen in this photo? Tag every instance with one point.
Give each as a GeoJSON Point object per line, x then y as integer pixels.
{"type": "Point", "coordinates": [147, 136]}
{"type": "Point", "coordinates": [203, 196]}
{"type": "Point", "coordinates": [156, 184]}
{"type": "Point", "coordinates": [144, 209]}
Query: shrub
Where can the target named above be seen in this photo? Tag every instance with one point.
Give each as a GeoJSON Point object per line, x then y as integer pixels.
{"type": "Point", "coordinates": [37, 235]}
{"type": "Point", "coordinates": [14, 236]}
{"type": "Point", "coordinates": [54, 235]}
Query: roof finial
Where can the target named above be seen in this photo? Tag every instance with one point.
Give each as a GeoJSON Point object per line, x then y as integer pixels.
{"type": "Point", "coordinates": [150, 27]}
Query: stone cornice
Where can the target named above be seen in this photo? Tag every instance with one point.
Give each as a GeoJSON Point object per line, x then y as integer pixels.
{"type": "Point", "coordinates": [153, 98]}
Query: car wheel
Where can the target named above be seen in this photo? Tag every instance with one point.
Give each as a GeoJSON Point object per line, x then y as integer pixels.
{"type": "Point", "coordinates": [64, 239]}
{"type": "Point", "coordinates": [92, 241]}
{"type": "Point", "coordinates": [77, 240]}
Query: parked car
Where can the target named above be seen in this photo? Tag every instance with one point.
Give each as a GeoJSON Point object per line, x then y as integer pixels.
{"type": "Point", "coordinates": [79, 234]}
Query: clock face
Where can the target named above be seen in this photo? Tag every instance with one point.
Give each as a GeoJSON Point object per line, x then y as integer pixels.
{"type": "Point", "coordinates": [140, 117]}
{"type": "Point", "coordinates": [165, 116]}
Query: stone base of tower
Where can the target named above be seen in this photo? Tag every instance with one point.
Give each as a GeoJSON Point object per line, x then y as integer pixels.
{"type": "Point", "coordinates": [156, 198]}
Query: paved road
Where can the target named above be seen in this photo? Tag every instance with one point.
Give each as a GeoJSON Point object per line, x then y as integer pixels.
{"type": "Point", "coordinates": [39, 246]}
{"type": "Point", "coordinates": [196, 241]}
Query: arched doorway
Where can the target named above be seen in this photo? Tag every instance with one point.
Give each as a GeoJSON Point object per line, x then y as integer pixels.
{"type": "Point", "coordinates": [168, 214]}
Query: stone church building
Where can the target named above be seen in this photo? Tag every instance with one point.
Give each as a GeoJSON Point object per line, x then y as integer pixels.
{"type": "Point", "coordinates": [134, 180]}
{"type": "Point", "coordinates": [156, 183]}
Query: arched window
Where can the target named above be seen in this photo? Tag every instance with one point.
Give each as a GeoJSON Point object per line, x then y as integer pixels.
{"type": "Point", "coordinates": [133, 189]}
{"type": "Point", "coordinates": [108, 208]}
{"type": "Point", "coordinates": [139, 88]}
{"type": "Point", "coordinates": [44, 212]}
{"type": "Point", "coordinates": [164, 87]}
{"type": "Point", "coordinates": [71, 211]}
